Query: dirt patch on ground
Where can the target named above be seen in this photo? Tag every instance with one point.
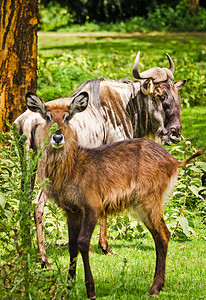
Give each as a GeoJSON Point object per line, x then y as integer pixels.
{"type": "Point", "coordinates": [118, 34]}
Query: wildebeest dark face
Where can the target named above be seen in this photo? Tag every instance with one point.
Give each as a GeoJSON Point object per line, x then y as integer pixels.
{"type": "Point", "coordinates": [168, 94]}
{"type": "Point", "coordinates": [160, 86]}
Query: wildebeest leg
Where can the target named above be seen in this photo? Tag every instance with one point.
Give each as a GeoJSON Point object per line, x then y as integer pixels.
{"type": "Point", "coordinates": [161, 237]}
{"type": "Point", "coordinates": [41, 201]}
{"type": "Point", "coordinates": [103, 243]}
{"type": "Point", "coordinates": [89, 221]}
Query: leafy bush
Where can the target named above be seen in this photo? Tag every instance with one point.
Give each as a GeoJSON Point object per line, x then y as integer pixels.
{"type": "Point", "coordinates": [60, 75]}
{"type": "Point", "coordinates": [20, 278]}
{"type": "Point", "coordinates": [189, 198]}
{"type": "Point", "coordinates": [54, 16]}
{"type": "Point", "coordinates": [173, 18]}
{"type": "Point", "coordinates": [177, 19]}
{"type": "Point", "coordinates": [16, 224]}
{"type": "Point", "coordinates": [194, 92]}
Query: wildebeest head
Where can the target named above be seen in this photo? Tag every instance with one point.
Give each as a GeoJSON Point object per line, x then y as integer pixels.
{"type": "Point", "coordinates": [158, 83]}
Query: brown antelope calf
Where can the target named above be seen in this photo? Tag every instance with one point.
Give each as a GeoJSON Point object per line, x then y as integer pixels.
{"type": "Point", "coordinates": [117, 110]}
{"type": "Point", "coordinates": [88, 183]}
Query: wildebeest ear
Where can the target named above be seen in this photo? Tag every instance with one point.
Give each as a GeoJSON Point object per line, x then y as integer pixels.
{"type": "Point", "coordinates": [147, 87]}
{"type": "Point", "coordinates": [35, 104]}
{"type": "Point", "coordinates": [179, 84]}
{"type": "Point", "coordinates": [79, 104]}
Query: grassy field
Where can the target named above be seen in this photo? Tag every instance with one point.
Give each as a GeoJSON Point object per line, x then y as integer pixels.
{"type": "Point", "coordinates": [129, 274]}
{"type": "Point", "coordinates": [64, 63]}
{"type": "Point", "coordinates": [194, 125]}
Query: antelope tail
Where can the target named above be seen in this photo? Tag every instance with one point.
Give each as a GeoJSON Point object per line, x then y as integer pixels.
{"type": "Point", "coordinates": [187, 161]}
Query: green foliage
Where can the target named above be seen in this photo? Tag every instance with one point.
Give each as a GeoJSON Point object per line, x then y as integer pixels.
{"type": "Point", "coordinates": [64, 63]}
{"type": "Point", "coordinates": [58, 76]}
{"type": "Point", "coordinates": [124, 227]}
{"type": "Point", "coordinates": [176, 19]}
{"type": "Point", "coordinates": [121, 17]}
{"type": "Point", "coordinates": [19, 277]}
{"type": "Point", "coordinates": [106, 11]}
{"type": "Point", "coordinates": [16, 224]}
{"type": "Point", "coordinates": [53, 17]}
{"type": "Point", "coordinates": [189, 198]}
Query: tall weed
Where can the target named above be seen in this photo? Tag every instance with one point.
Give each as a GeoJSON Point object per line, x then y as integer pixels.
{"type": "Point", "coordinates": [19, 274]}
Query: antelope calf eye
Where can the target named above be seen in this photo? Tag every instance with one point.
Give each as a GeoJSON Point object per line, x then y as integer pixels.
{"type": "Point", "coordinates": [48, 118]}
{"type": "Point", "coordinates": [66, 118]}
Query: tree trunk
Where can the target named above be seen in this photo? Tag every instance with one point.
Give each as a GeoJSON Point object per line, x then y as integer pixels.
{"type": "Point", "coordinates": [18, 56]}
{"type": "Point", "coordinates": [192, 5]}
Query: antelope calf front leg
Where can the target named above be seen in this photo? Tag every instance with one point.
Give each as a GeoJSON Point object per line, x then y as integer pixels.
{"type": "Point", "coordinates": [89, 221]}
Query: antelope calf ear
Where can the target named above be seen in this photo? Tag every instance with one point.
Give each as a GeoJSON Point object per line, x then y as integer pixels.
{"type": "Point", "coordinates": [35, 104]}
{"type": "Point", "coordinates": [79, 104]}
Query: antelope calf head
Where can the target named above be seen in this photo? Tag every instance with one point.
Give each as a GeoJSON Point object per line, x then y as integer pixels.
{"type": "Point", "coordinates": [56, 113]}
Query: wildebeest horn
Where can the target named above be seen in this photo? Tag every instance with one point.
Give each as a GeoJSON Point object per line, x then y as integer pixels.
{"type": "Point", "coordinates": [157, 74]}
{"type": "Point", "coordinates": [172, 66]}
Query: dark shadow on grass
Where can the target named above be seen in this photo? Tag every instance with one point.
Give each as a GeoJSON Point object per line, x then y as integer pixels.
{"type": "Point", "coordinates": [116, 246]}
{"type": "Point", "coordinates": [123, 43]}
{"type": "Point", "coordinates": [130, 245]}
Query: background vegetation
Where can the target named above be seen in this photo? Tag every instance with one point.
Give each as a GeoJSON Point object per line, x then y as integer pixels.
{"type": "Point", "coordinates": [63, 64]}
{"type": "Point", "coordinates": [122, 16]}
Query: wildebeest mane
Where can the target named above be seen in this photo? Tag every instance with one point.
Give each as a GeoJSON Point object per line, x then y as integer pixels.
{"type": "Point", "coordinates": [93, 90]}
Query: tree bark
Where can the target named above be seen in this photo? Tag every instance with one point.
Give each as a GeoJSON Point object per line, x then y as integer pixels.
{"type": "Point", "coordinates": [192, 5]}
{"type": "Point", "coordinates": [18, 56]}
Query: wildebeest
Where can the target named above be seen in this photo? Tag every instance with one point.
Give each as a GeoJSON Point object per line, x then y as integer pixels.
{"type": "Point", "coordinates": [92, 182]}
{"type": "Point", "coordinates": [116, 111]}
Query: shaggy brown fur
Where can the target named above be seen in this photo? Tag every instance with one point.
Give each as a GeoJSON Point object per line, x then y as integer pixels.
{"type": "Point", "coordinates": [88, 183]}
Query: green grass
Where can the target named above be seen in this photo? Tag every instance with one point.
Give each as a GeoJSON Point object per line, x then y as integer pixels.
{"type": "Point", "coordinates": [194, 125]}
{"type": "Point", "coordinates": [129, 273]}
{"type": "Point", "coordinates": [113, 57]}
{"type": "Point", "coordinates": [64, 64]}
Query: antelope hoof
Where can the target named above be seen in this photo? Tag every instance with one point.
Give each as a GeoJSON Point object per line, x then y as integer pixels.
{"type": "Point", "coordinates": [45, 264]}
{"type": "Point", "coordinates": [155, 291]}
{"type": "Point", "coordinates": [108, 250]}
{"type": "Point", "coordinates": [105, 249]}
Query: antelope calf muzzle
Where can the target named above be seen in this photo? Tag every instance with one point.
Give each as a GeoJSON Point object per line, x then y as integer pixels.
{"type": "Point", "coordinates": [57, 139]}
